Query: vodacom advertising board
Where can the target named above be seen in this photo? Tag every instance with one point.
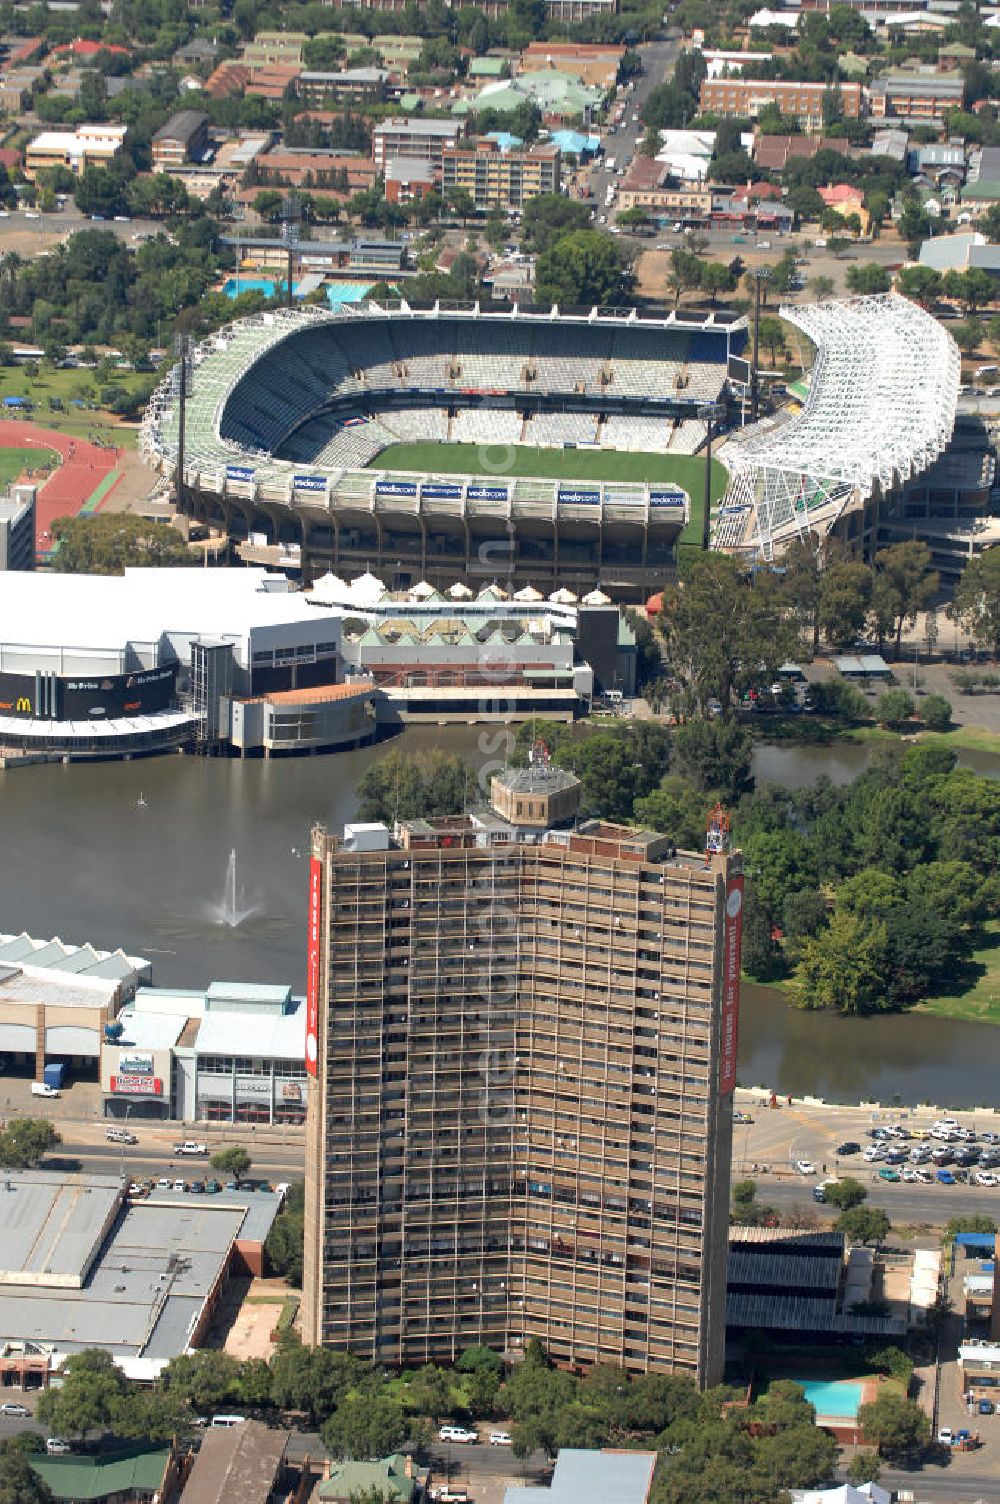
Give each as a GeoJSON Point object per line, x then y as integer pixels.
{"type": "Point", "coordinates": [731, 986]}
{"type": "Point", "coordinates": [312, 965]}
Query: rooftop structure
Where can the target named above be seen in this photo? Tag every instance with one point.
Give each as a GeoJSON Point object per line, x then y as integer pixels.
{"type": "Point", "coordinates": [87, 145]}
{"type": "Point", "coordinates": [125, 1474]}
{"type": "Point", "coordinates": [75, 960]}
{"type": "Point", "coordinates": [880, 409]}
{"type": "Point", "coordinates": [591, 1477]}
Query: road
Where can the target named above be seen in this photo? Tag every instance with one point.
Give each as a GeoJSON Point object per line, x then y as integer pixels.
{"type": "Point", "coordinates": [30, 237]}
{"type": "Point", "coordinates": [658, 59]}
{"type": "Point", "coordinates": [913, 1204]}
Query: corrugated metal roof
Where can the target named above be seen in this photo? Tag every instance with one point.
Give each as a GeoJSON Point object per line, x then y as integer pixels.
{"type": "Point", "coordinates": [276, 1036]}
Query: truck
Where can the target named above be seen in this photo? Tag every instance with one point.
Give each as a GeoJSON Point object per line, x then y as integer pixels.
{"type": "Point", "coordinates": [189, 1146]}
{"type": "Point", "coordinates": [959, 1441]}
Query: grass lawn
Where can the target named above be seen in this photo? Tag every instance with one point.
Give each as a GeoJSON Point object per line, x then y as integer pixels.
{"type": "Point", "coordinates": [13, 461]}
{"type": "Point", "coordinates": [64, 386]}
{"type": "Point", "coordinates": [685, 470]}
{"type": "Point", "coordinates": [976, 995]}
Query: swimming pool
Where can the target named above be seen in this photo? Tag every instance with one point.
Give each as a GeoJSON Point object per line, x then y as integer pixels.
{"type": "Point", "coordinates": [840, 1400]}
{"type": "Point", "coordinates": [346, 292]}
{"type": "Point", "coordinates": [235, 285]}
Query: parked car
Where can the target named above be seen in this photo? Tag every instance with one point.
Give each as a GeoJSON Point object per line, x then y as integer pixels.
{"type": "Point", "coordinates": [986, 1407]}
{"type": "Point", "coordinates": [896, 1157]}
{"type": "Point", "coordinates": [501, 1439]}
{"type": "Point", "coordinates": [19, 1411]}
{"type": "Point", "coordinates": [892, 1175]}
{"type": "Point", "coordinates": [805, 1167]}
{"type": "Point", "coordinates": [848, 1147]}
{"type": "Point", "coordinates": [197, 1187]}
{"type": "Point", "coordinates": [212, 1187]}
{"type": "Point", "coordinates": [986, 1177]}
{"type": "Point", "coordinates": [927, 1177]}
{"type": "Point", "coordinates": [873, 1153]}
{"type": "Point", "coordinates": [945, 1177]}
{"type": "Point", "coordinates": [911, 1175]}
{"type": "Point", "coordinates": [742, 1117]}
{"type": "Point", "coordinates": [189, 1146]}
{"type": "Point", "coordinates": [459, 1434]}
{"type": "Point", "coordinates": [56, 1447]}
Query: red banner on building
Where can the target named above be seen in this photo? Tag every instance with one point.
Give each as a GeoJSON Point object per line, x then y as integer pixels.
{"type": "Point", "coordinates": [312, 966]}
{"type": "Point", "coordinates": [137, 1086]}
{"type": "Point", "coordinates": [731, 986]}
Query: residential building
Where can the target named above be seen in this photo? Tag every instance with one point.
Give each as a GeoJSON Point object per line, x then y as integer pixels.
{"type": "Point", "coordinates": [915, 97]}
{"type": "Point", "coordinates": [245, 1463]}
{"type": "Point", "coordinates": [749, 96]}
{"type": "Point", "coordinates": [275, 49]}
{"type": "Point", "coordinates": [846, 200]}
{"type": "Point", "coordinates": [591, 1477]}
{"type": "Point", "coordinates": [979, 1364]}
{"type": "Point", "coordinates": [523, 1043]}
{"type": "Point", "coordinates": [124, 1475]}
{"type": "Point", "coordinates": [323, 168]}
{"type": "Point", "coordinates": [419, 140]}
{"type": "Point", "coordinates": [591, 64]}
{"type": "Point", "coordinates": [407, 180]}
{"type": "Point", "coordinates": [16, 87]}
{"type": "Point", "coordinates": [184, 138]}
{"type": "Point", "coordinates": [17, 529]}
{"type": "Point", "coordinates": [576, 11]}
{"type": "Point", "coordinates": [351, 86]}
{"type": "Point", "coordinates": [774, 152]}
{"type": "Point", "coordinates": [983, 186]}
{"type": "Point", "coordinates": [395, 1478]}
{"type": "Point", "coordinates": [497, 178]}
{"type": "Point", "coordinates": [199, 52]}
{"type": "Point", "coordinates": [86, 146]}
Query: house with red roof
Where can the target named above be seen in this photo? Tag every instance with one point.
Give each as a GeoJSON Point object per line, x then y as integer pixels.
{"type": "Point", "coordinates": [84, 49]}
{"type": "Point", "coordinates": [844, 199]}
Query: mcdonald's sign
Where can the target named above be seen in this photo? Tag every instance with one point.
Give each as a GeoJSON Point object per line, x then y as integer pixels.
{"type": "Point", "coordinates": [23, 706]}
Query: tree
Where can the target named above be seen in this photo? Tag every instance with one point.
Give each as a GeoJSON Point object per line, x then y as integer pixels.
{"type": "Point", "coordinates": [404, 786]}
{"type": "Point", "coordinates": [845, 591]}
{"type": "Point", "coordinates": [88, 1397]}
{"type": "Point", "coordinates": [429, 1393]}
{"type": "Point", "coordinates": [910, 582]}
{"type": "Point", "coordinates": [968, 335]}
{"type": "Point", "coordinates": [110, 542]}
{"type": "Point", "coordinates": [976, 602]}
{"type": "Point", "coordinates": [722, 636]}
{"type": "Point", "coordinates": [801, 584]}
{"type": "Point", "coordinates": [894, 708]}
{"type": "Point", "coordinates": [846, 1193]}
{"type": "Point", "coordinates": [234, 1161]}
{"type": "Point", "coordinates": [19, 1483]}
{"type": "Point", "coordinates": [207, 1379]}
{"type": "Point", "coordinates": [804, 913]}
{"type": "Point", "coordinates": [583, 267]}
{"type": "Point", "coordinates": [284, 1241]}
{"type": "Point", "coordinates": [365, 1426]}
{"type": "Point", "coordinates": [868, 277]}
{"type": "Point", "coordinates": [935, 712]}
{"type": "Point", "coordinates": [716, 754]}
{"type": "Point", "coordinates": [772, 337]}
{"type": "Point", "coordinates": [313, 1379]}
{"type": "Point", "coordinates": [863, 1224]}
{"type": "Point", "coordinates": [899, 1428]}
{"type": "Point", "coordinates": [759, 954]}
{"type": "Point", "coordinates": [821, 287]}
{"type": "Point", "coordinates": [549, 217]}
{"type": "Point", "coordinates": [843, 967]}
{"type": "Point", "coordinates": [922, 284]}
{"type": "Point", "coordinates": [25, 1142]}
{"type": "Point", "coordinates": [864, 1467]}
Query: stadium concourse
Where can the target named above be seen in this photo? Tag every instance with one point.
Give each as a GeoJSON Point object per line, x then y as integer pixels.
{"type": "Point", "coordinates": [880, 410]}
{"type": "Point", "coordinates": [80, 483]}
{"type": "Point", "coordinates": [286, 410]}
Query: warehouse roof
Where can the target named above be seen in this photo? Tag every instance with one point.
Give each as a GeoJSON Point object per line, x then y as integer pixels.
{"type": "Point", "coordinates": [239, 1463]}
{"type": "Point", "coordinates": [79, 960]}
{"type": "Point", "coordinates": [52, 1225]}
{"type": "Point", "coordinates": [280, 1036]}
{"type": "Point", "coordinates": [591, 1477]}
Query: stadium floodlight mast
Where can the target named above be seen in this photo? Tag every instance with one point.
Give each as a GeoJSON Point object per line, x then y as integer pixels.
{"type": "Point", "coordinates": [760, 275]}
{"type": "Point", "coordinates": [710, 414]}
{"type": "Point", "coordinates": [291, 213]}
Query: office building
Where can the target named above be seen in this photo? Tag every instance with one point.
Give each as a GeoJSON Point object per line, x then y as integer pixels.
{"type": "Point", "coordinates": [747, 97]}
{"type": "Point", "coordinates": [916, 97]}
{"type": "Point", "coordinates": [497, 177]}
{"type": "Point", "coordinates": [17, 529]}
{"type": "Point", "coordinates": [523, 1043]}
{"type": "Point", "coordinates": [86, 146]}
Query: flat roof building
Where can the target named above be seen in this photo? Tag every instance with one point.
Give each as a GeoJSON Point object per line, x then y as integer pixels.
{"type": "Point", "coordinates": [582, 1476]}
{"type": "Point", "coordinates": [17, 529]}
{"type": "Point", "coordinates": [419, 140]}
{"type": "Point", "coordinates": [86, 146]}
{"type": "Point", "coordinates": [498, 178]}
{"type": "Point", "coordinates": [749, 96]}
{"type": "Point", "coordinates": [524, 1054]}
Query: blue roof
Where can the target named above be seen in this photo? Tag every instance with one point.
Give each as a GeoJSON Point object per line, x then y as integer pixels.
{"type": "Point", "coordinates": [505, 140]}
{"type": "Point", "coordinates": [16, 402]}
{"type": "Point", "coordinates": [985, 1240]}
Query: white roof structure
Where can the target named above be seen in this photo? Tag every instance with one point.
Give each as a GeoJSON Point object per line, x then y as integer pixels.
{"type": "Point", "coordinates": [880, 409]}
{"type": "Point", "coordinates": [868, 1493]}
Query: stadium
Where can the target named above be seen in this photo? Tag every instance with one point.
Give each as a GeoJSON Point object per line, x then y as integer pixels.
{"type": "Point", "coordinates": [880, 409]}
{"type": "Point", "coordinates": [554, 447]}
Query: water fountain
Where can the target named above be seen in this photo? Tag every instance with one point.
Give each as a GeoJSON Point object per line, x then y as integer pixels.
{"type": "Point", "coordinates": [233, 909]}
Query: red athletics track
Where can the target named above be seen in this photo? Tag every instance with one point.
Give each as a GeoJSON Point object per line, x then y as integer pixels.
{"type": "Point", "coordinates": [83, 468]}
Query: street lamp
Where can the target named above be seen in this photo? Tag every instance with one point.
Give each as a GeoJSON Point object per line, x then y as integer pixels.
{"type": "Point", "coordinates": [760, 275]}
{"type": "Point", "coordinates": [710, 414]}
{"type": "Point", "coordinates": [291, 213]}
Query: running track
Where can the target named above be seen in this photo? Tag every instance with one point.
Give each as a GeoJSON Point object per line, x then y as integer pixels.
{"type": "Point", "coordinates": [83, 468]}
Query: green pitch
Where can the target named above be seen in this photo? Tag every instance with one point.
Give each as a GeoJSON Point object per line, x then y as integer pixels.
{"type": "Point", "coordinates": [13, 461]}
{"type": "Point", "coordinates": [501, 460]}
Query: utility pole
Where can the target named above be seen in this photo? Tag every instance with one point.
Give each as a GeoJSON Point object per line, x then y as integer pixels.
{"type": "Point", "coordinates": [760, 274]}
{"type": "Point", "coordinates": [181, 345]}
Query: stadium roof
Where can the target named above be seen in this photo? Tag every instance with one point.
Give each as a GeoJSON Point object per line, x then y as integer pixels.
{"type": "Point", "coordinates": [880, 409]}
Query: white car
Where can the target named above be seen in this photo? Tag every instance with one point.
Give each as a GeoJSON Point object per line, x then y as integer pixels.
{"type": "Point", "coordinates": [986, 1177]}
{"type": "Point", "coordinates": [501, 1439]}
{"type": "Point", "coordinates": [873, 1153]}
{"type": "Point", "coordinates": [911, 1176]}
{"type": "Point", "coordinates": [805, 1167]}
{"type": "Point", "coordinates": [189, 1146]}
{"type": "Point", "coordinates": [457, 1433]}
